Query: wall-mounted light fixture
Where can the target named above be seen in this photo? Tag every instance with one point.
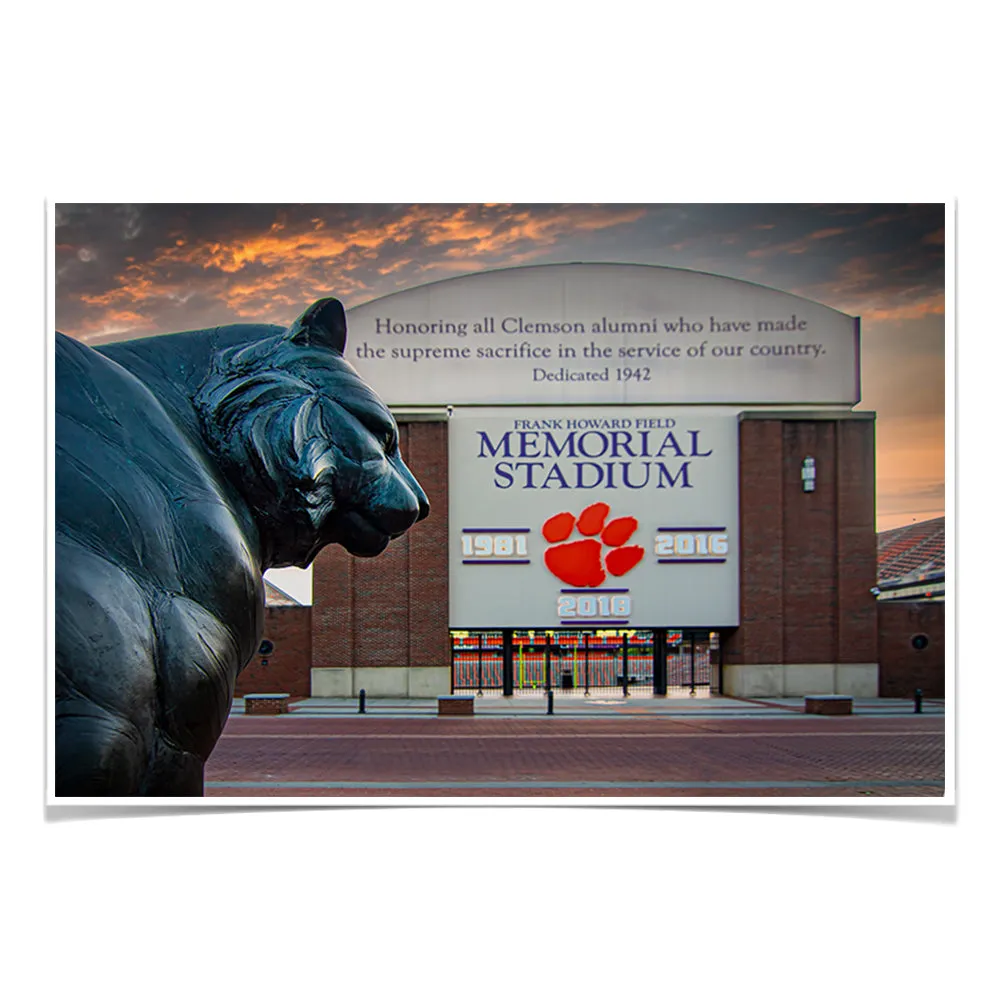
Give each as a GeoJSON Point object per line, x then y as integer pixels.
{"type": "Point", "coordinates": [808, 474]}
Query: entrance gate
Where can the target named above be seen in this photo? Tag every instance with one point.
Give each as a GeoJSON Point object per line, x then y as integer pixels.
{"type": "Point", "coordinates": [477, 661]}
{"type": "Point", "coordinates": [691, 667]}
{"type": "Point", "coordinates": [629, 661]}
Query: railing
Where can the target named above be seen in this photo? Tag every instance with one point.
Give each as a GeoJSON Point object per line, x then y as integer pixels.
{"type": "Point", "coordinates": [477, 662]}
{"type": "Point", "coordinates": [583, 662]}
{"type": "Point", "coordinates": [690, 669]}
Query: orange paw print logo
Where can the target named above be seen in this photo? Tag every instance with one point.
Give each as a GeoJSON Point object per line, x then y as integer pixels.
{"type": "Point", "coordinates": [580, 563]}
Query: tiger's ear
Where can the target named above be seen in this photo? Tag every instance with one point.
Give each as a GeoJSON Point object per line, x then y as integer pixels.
{"type": "Point", "coordinates": [323, 323]}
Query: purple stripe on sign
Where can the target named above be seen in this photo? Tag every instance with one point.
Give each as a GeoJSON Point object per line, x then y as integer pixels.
{"type": "Point", "coordinates": [684, 559]}
{"type": "Point", "coordinates": [496, 562]}
{"type": "Point", "coordinates": [690, 529]}
{"type": "Point", "coordinates": [591, 621]}
{"type": "Point", "coordinates": [489, 531]}
{"type": "Point", "coordinates": [616, 590]}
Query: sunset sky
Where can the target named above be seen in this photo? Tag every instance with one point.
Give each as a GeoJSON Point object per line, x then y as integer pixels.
{"type": "Point", "coordinates": [127, 271]}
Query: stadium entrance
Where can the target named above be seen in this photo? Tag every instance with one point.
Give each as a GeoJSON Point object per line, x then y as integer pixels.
{"type": "Point", "coordinates": [568, 496]}
{"type": "Point", "coordinates": [631, 662]}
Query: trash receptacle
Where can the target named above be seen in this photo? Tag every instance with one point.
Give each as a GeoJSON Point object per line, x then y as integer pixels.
{"type": "Point", "coordinates": [567, 680]}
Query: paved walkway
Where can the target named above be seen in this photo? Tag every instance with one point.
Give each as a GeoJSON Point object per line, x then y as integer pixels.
{"type": "Point", "coordinates": [573, 705]}
{"type": "Point", "coordinates": [595, 747]}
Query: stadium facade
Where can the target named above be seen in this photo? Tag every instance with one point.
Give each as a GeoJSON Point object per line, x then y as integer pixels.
{"type": "Point", "coordinates": [641, 478]}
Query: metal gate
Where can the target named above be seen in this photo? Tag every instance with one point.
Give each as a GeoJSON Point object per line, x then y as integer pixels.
{"type": "Point", "coordinates": [627, 661]}
{"type": "Point", "coordinates": [604, 661]}
{"type": "Point", "coordinates": [477, 661]}
{"type": "Point", "coordinates": [532, 660]}
{"type": "Point", "coordinates": [691, 667]}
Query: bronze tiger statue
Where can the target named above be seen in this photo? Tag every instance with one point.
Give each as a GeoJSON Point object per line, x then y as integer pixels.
{"type": "Point", "coordinates": [185, 466]}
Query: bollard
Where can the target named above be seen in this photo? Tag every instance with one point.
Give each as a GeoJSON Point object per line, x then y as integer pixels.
{"type": "Point", "coordinates": [361, 702]}
{"type": "Point", "coordinates": [548, 711]}
{"type": "Point", "coordinates": [918, 701]}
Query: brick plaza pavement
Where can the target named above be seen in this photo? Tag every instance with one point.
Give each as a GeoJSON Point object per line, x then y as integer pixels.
{"type": "Point", "coordinates": [720, 750]}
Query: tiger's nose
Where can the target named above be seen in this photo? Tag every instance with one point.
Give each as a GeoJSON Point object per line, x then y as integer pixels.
{"type": "Point", "coordinates": [410, 480]}
{"type": "Point", "coordinates": [423, 505]}
{"type": "Point", "coordinates": [398, 505]}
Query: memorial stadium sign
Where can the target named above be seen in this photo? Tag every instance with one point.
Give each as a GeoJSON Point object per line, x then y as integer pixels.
{"type": "Point", "coordinates": [595, 517]}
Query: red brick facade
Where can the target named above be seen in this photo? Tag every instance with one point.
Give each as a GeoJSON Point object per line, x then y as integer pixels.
{"type": "Point", "coordinates": [902, 668]}
{"type": "Point", "coordinates": [807, 564]}
{"type": "Point", "coordinates": [393, 610]}
{"type": "Point", "coordinates": [807, 560]}
{"type": "Point", "coordinates": [287, 670]}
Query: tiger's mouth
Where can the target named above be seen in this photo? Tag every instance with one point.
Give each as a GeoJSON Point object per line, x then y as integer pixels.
{"type": "Point", "coordinates": [361, 525]}
{"type": "Point", "coordinates": [362, 536]}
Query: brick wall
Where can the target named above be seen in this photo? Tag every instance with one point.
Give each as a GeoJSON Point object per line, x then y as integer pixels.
{"type": "Point", "coordinates": [287, 670]}
{"type": "Point", "coordinates": [391, 610]}
{"type": "Point", "coordinates": [902, 668]}
{"type": "Point", "coordinates": [808, 561]}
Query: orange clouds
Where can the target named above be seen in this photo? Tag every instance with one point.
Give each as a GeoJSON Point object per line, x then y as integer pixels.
{"type": "Point", "coordinates": [497, 235]}
{"type": "Point", "coordinates": [794, 246]}
{"type": "Point", "coordinates": [864, 287]}
{"type": "Point", "coordinates": [110, 325]}
{"type": "Point", "coordinates": [931, 305]}
{"type": "Point", "coordinates": [395, 266]}
{"type": "Point", "coordinates": [463, 225]}
{"type": "Point", "coordinates": [823, 234]}
{"type": "Point", "coordinates": [139, 283]}
{"type": "Point", "coordinates": [290, 261]}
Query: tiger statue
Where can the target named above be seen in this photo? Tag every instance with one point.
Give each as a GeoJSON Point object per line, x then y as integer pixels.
{"type": "Point", "coordinates": [185, 466]}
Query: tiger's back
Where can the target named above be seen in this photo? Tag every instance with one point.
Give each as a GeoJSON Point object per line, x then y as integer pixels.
{"type": "Point", "coordinates": [158, 595]}
{"type": "Point", "coordinates": [175, 490]}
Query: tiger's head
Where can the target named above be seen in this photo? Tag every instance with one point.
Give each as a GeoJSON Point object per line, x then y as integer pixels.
{"type": "Point", "coordinates": [309, 445]}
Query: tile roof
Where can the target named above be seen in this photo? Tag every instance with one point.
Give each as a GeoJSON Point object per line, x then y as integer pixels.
{"type": "Point", "coordinates": [275, 597]}
{"type": "Point", "coordinates": [913, 552]}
